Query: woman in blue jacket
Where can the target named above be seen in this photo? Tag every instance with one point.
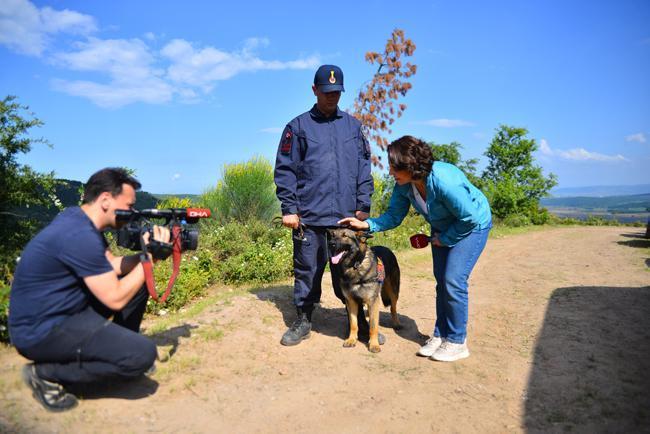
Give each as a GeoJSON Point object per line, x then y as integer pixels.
{"type": "Point", "coordinates": [460, 220]}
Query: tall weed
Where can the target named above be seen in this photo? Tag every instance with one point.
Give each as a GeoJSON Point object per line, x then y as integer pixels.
{"type": "Point", "coordinates": [245, 192]}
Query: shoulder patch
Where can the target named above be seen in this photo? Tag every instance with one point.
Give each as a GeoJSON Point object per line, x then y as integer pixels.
{"type": "Point", "coordinates": [287, 139]}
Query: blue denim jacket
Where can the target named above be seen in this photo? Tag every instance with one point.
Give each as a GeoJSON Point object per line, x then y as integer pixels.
{"type": "Point", "coordinates": [455, 207]}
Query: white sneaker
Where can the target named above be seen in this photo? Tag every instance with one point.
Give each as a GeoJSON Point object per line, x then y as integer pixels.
{"type": "Point", "coordinates": [450, 352]}
{"type": "Point", "coordinates": [430, 346]}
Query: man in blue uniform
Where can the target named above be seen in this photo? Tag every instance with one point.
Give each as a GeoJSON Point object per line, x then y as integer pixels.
{"type": "Point", "coordinates": [322, 173]}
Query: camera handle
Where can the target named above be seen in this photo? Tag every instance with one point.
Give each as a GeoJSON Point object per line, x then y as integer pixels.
{"type": "Point", "coordinates": [147, 264]}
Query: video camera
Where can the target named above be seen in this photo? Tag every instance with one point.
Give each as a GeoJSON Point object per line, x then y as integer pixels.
{"type": "Point", "coordinates": [136, 223]}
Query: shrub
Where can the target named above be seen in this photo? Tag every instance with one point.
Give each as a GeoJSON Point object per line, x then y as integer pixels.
{"type": "Point", "coordinates": [197, 271]}
{"type": "Point", "coordinates": [4, 312]}
{"type": "Point", "coordinates": [245, 192]}
{"type": "Point", "coordinates": [175, 202]}
{"type": "Point", "coordinates": [600, 221]}
{"type": "Point", "coordinates": [264, 261]}
{"type": "Point", "coordinates": [516, 221]}
{"type": "Point", "coordinates": [380, 199]}
{"type": "Point", "coordinates": [398, 238]}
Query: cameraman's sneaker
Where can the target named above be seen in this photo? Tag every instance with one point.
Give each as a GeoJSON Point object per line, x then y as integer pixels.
{"type": "Point", "coordinates": [450, 352]}
{"type": "Point", "coordinates": [51, 395]}
{"type": "Point", "coordinates": [430, 346]}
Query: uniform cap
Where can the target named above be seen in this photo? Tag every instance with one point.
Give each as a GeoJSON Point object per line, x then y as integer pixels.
{"type": "Point", "coordinates": [329, 78]}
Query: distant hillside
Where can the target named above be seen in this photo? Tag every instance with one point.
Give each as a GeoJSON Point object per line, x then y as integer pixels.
{"type": "Point", "coordinates": [625, 209]}
{"type": "Point", "coordinates": [69, 192]}
{"type": "Point", "coordinates": [630, 204]}
{"type": "Point", "coordinates": [192, 197]}
{"type": "Point", "coordinates": [601, 190]}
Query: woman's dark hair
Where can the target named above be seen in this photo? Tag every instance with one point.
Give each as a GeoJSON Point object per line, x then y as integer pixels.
{"type": "Point", "coordinates": [111, 180]}
{"type": "Point", "coordinates": [411, 154]}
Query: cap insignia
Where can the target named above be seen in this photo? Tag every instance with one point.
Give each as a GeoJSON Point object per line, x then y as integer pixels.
{"type": "Point", "coordinates": [332, 78]}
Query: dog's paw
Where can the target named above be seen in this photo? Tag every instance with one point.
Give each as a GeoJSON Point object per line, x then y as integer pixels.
{"type": "Point", "coordinates": [374, 348]}
{"type": "Point", "coordinates": [349, 343]}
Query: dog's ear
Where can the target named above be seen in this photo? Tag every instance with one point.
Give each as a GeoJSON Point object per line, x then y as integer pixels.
{"type": "Point", "coordinates": [363, 235]}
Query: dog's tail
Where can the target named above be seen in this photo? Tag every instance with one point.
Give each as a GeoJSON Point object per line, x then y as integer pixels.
{"type": "Point", "coordinates": [390, 288]}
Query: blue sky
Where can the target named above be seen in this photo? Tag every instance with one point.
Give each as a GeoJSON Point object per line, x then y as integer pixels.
{"type": "Point", "coordinates": [175, 90]}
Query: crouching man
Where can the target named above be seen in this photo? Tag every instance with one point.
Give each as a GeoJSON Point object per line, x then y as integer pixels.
{"type": "Point", "coordinates": [66, 286]}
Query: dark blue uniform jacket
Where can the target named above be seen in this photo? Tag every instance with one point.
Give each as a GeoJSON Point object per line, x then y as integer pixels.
{"type": "Point", "coordinates": [322, 169]}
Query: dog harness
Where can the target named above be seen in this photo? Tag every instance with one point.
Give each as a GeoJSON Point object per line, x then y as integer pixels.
{"type": "Point", "coordinates": [381, 272]}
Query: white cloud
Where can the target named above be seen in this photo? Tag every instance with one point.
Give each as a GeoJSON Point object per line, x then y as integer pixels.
{"type": "Point", "coordinates": [133, 70]}
{"type": "Point", "coordinates": [578, 154]}
{"type": "Point", "coordinates": [203, 67]}
{"type": "Point", "coordinates": [129, 65]}
{"type": "Point", "coordinates": [638, 137]}
{"type": "Point", "coordinates": [139, 74]}
{"type": "Point", "coordinates": [176, 176]}
{"type": "Point", "coordinates": [27, 29]}
{"type": "Point", "coordinates": [272, 130]}
{"type": "Point", "coordinates": [447, 123]}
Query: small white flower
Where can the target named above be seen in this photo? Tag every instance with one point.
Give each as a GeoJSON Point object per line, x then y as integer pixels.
{"type": "Point", "coordinates": [162, 312]}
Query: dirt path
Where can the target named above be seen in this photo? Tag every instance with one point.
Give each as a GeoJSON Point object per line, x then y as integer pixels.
{"type": "Point", "coordinates": [559, 334]}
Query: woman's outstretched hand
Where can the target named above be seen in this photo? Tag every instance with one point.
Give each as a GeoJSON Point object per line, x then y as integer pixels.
{"type": "Point", "coordinates": [354, 223]}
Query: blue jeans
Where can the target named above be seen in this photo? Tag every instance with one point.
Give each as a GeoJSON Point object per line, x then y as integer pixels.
{"type": "Point", "coordinates": [451, 268]}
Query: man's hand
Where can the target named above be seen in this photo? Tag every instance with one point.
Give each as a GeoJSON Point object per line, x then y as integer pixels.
{"type": "Point", "coordinates": [361, 215]}
{"type": "Point", "coordinates": [354, 223]}
{"type": "Point", "coordinates": [291, 221]}
{"type": "Point", "coordinates": [160, 234]}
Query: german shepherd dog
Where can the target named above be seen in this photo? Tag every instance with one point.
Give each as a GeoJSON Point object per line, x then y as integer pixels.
{"type": "Point", "coordinates": [362, 280]}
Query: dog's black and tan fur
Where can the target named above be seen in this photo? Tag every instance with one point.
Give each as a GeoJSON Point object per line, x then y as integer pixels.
{"type": "Point", "coordinates": [358, 280]}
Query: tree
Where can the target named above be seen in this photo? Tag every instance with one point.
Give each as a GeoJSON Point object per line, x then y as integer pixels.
{"type": "Point", "coordinates": [450, 153]}
{"type": "Point", "coordinates": [20, 186]}
{"type": "Point", "coordinates": [375, 105]}
{"type": "Point", "coordinates": [513, 183]}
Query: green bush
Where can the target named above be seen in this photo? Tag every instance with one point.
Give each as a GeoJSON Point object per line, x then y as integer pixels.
{"type": "Point", "coordinates": [175, 202]}
{"type": "Point", "coordinates": [245, 192]}
{"type": "Point", "coordinates": [384, 185]}
{"type": "Point", "coordinates": [259, 263]}
{"type": "Point", "coordinates": [516, 221]}
{"type": "Point", "coordinates": [4, 312]}
{"type": "Point", "coordinates": [398, 238]}
{"type": "Point", "coordinates": [600, 221]}
{"type": "Point", "coordinates": [197, 271]}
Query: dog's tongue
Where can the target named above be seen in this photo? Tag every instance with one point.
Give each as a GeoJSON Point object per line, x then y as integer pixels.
{"type": "Point", "coordinates": [337, 258]}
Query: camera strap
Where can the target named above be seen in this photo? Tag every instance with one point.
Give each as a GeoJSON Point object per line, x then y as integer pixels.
{"type": "Point", "coordinates": [147, 264]}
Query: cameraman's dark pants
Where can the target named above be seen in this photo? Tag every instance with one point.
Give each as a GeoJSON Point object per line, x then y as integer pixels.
{"type": "Point", "coordinates": [87, 347]}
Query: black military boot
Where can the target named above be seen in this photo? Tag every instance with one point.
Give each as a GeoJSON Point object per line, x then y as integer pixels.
{"type": "Point", "coordinates": [301, 327]}
{"type": "Point", "coordinates": [364, 328]}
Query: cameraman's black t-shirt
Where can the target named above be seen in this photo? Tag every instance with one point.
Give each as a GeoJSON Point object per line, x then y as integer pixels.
{"type": "Point", "coordinates": [48, 284]}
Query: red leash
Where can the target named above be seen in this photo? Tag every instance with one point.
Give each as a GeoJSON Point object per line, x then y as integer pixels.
{"type": "Point", "coordinates": [147, 264]}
